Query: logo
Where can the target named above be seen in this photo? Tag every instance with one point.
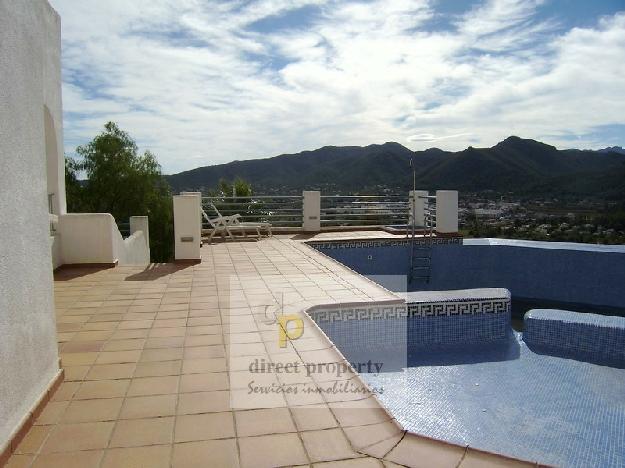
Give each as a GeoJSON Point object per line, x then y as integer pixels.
{"type": "Point", "coordinates": [290, 327]}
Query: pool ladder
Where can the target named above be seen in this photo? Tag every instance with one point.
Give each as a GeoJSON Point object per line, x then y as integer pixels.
{"type": "Point", "coordinates": [421, 252]}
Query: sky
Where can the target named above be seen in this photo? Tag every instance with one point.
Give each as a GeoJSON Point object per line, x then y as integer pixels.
{"type": "Point", "coordinates": [201, 82]}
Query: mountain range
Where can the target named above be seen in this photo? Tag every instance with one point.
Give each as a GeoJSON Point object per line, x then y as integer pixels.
{"type": "Point", "coordinates": [517, 165]}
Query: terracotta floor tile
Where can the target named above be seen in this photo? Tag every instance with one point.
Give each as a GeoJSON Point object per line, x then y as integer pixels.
{"type": "Point", "coordinates": [102, 389]}
{"type": "Point", "coordinates": [206, 454]}
{"type": "Point", "coordinates": [75, 373]}
{"type": "Point", "coordinates": [198, 352]}
{"type": "Point", "coordinates": [111, 371]}
{"type": "Point", "coordinates": [65, 391]}
{"type": "Point", "coordinates": [327, 445]}
{"type": "Point", "coordinates": [198, 366]}
{"type": "Point", "coordinates": [33, 440]}
{"type": "Point", "coordinates": [92, 410]}
{"type": "Point", "coordinates": [203, 402]}
{"type": "Point", "coordinates": [153, 386]}
{"type": "Point", "coordinates": [165, 342]}
{"type": "Point", "coordinates": [81, 436]}
{"type": "Point", "coordinates": [367, 462]}
{"type": "Point", "coordinates": [19, 461]}
{"type": "Point", "coordinates": [52, 412]}
{"type": "Point", "coordinates": [170, 323]}
{"type": "Point", "coordinates": [124, 345]}
{"type": "Point", "coordinates": [149, 406]}
{"type": "Point", "coordinates": [79, 359]}
{"type": "Point", "coordinates": [359, 413]}
{"type": "Point", "coordinates": [114, 357]}
{"type": "Point", "coordinates": [92, 335]}
{"type": "Point", "coordinates": [199, 321]}
{"type": "Point", "coordinates": [310, 418]}
{"type": "Point", "coordinates": [82, 346]}
{"type": "Point", "coordinates": [162, 354]}
{"type": "Point", "coordinates": [242, 399]}
{"type": "Point", "coordinates": [208, 426]}
{"type": "Point", "coordinates": [167, 332]}
{"type": "Point", "coordinates": [204, 382]}
{"type": "Point", "coordinates": [84, 459]}
{"type": "Point", "coordinates": [264, 421]}
{"type": "Point", "coordinates": [158, 369]}
{"type": "Point", "coordinates": [205, 330]}
{"type": "Point", "coordinates": [130, 334]}
{"type": "Point", "coordinates": [156, 456]}
{"type": "Point", "coordinates": [272, 450]}
{"type": "Point", "coordinates": [140, 432]}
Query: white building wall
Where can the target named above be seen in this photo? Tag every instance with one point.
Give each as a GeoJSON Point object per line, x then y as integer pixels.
{"type": "Point", "coordinates": [29, 81]}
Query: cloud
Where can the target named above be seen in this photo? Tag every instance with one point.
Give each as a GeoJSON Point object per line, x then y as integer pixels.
{"type": "Point", "coordinates": [431, 138]}
{"type": "Point", "coordinates": [199, 83]}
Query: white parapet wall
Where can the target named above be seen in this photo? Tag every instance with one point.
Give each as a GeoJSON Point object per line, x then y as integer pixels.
{"type": "Point", "coordinates": [93, 238]}
{"type": "Point", "coordinates": [446, 211]}
{"type": "Point", "coordinates": [311, 216]}
{"type": "Point", "coordinates": [187, 227]}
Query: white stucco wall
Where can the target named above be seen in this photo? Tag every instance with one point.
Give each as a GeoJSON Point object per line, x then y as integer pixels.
{"type": "Point", "coordinates": [29, 81]}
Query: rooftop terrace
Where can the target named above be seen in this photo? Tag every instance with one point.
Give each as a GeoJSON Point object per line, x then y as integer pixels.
{"type": "Point", "coordinates": [151, 368]}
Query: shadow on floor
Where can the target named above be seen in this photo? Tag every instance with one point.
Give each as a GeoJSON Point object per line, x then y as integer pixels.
{"type": "Point", "coordinates": [70, 272]}
{"type": "Point", "coordinates": [158, 270]}
{"type": "Point", "coordinates": [303, 236]}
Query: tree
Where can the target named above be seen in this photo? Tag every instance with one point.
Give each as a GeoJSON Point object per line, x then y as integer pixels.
{"type": "Point", "coordinates": [73, 187]}
{"type": "Point", "coordinates": [238, 188]}
{"type": "Point", "coordinates": [124, 183]}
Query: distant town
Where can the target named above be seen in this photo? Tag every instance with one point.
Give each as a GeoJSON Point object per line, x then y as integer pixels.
{"type": "Point", "coordinates": [551, 219]}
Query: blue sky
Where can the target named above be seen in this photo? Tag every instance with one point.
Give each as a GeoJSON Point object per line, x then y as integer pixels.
{"type": "Point", "coordinates": [206, 82]}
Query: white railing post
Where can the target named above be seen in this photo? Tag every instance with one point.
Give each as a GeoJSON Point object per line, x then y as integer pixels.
{"type": "Point", "coordinates": [140, 223]}
{"type": "Point", "coordinates": [416, 197]}
{"type": "Point", "coordinates": [187, 227]}
{"type": "Point", "coordinates": [311, 207]}
{"type": "Point", "coordinates": [446, 211]}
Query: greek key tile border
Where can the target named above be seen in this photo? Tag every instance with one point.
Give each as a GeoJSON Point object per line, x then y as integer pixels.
{"type": "Point", "coordinates": [459, 307]}
{"type": "Point", "coordinates": [364, 244]}
{"type": "Point", "coordinates": [359, 313]}
{"type": "Point", "coordinates": [420, 309]}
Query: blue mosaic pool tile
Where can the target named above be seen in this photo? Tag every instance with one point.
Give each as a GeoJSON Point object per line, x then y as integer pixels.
{"type": "Point", "coordinates": [504, 398]}
{"type": "Point", "coordinates": [585, 337]}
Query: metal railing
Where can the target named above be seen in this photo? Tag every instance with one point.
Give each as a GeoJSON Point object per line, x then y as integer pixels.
{"type": "Point", "coordinates": [279, 210]}
{"type": "Point", "coordinates": [429, 213]}
{"type": "Point", "coordinates": [364, 210]}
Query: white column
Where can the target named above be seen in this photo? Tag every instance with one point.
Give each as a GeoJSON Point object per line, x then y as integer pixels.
{"type": "Point", "coordinates": [415, 196]}
{"type": "Point", "coordinates": [187, 227]}
{"type": "Point", "coordinates": [311, 220]}
{"type": "Point", "coordinates": [446, 211]}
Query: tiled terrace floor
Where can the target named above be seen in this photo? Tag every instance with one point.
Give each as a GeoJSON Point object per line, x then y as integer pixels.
{"type": "Point", "coordinates": [146, 354]}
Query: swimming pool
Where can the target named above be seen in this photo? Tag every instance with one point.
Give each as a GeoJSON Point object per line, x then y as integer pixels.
{"type": "Point", "coordinates": [458, 372]}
